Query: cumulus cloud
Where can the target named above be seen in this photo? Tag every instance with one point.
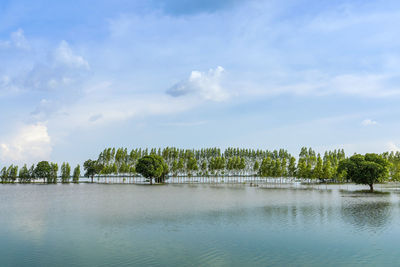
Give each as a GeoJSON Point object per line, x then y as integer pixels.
{"type": "Point", "coordinates": [207, 85]}
{"type": "Point", "coordinates": [368, 122]}
{"type": "Point", "coordinates": [30, 142]}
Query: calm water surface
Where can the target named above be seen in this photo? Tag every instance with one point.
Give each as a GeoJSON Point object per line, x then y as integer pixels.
{"type": "Point", "coordinates": [197, 225]}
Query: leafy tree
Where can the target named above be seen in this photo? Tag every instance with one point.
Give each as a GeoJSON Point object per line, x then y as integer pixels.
{"type": "Point", "coordinates": [4, 175]}
{"type": "Point", "coordinates": [191, 165]}
{"type": "Point", "coordinates": [43, 171]}
{"type": "Point", "coordinates": [284, 171]}
{"type": "Point", "coordinates": [13, 173]}
{"type": "Point", "coordinates": [181, 165]}
{"type": "Point", "coordinates": [92, 168]}
{"type": "Point", "coordinates": [369, 169]}
{"type": "Point", "coordinates": [327, 171]}
{"type": "Point", "coordinates": [65, 172]}
{"type": "Point", "coordinates": [256, 166]}
{"type": "Point", "coordinates": [302, 168]}
{"type": "Point", "coordinates": [24, 175]}
{"type": "Point", "coordinates": [152, 167]}
{"type": "Point", "coordinates": [54, 171]}
{"type": "Point", "coordinates": [76, 174]}
{"type": "Point", "coordinates": [292, 167]}
{"type": "Point", "coordinates": [318, 170]}
{"type": "Point", "coordinates": [204, 167]}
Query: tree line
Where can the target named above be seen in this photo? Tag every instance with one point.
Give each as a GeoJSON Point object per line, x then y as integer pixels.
{"type": "Point", "coordinates": [44, 170]}
{"type": "Point", "coordinates": [200, 162]}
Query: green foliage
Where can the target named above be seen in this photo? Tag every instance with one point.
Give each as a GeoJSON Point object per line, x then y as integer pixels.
{"type": "Point", "coordinates": [24, 175]}
{"type": "Point", "coordinates": [65, 172]}
{"type": "Point", "coordinates": [44, 170]}
{"type": "Point", "coordinates": [318, 170]}
{"type": "Point", "coordinates": [152, 167]}
{"type": "Point", "coordinates": [368, 169]}
{"type": "Point", "coordinates": [92, 168]}
{"type": "Point", "coordinates": [76, 174]}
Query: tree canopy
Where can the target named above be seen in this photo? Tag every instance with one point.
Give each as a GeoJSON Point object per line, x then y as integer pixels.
{"type": "Point", "coordinates": [43, 170]}
{"type": "Point", "coordinates": [369, 169]}
{"type": "Point", "coordinates": [152, 166]}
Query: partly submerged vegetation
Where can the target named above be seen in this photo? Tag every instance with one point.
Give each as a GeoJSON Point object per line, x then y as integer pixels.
{"type": "Point", "coordinates": [159, 164]}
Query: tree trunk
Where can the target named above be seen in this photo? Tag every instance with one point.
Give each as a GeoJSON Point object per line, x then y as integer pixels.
{"type": "Point", "coordinates": [151, 181]}
{"type": "Point", "coordinates": [371, 187]}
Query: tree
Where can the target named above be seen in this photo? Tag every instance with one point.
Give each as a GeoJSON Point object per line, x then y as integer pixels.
{"type": "Point", "coordinates": [76, 174]}
{"type": "Point", "coordinates": [292, 167]}
{"type": "Point", "coordinates": [54, 170]}
{"type": "Point", "coordinates": [327, 170]}
{"type": "Point", "coordinates": [256, 166]}
{"type": "Point", "coordinates": [369, 169]}
{"type": "Point", "coordinates": [65, 172]}
{"type": "Point", "coordinates": [302, 168]}
{"type": "Point", "coordinates": [191, 165]}
{"type": "Point", "coordinates": [13, 173]}
{"type": "Point", "coordinates": [152, 167]}
{"type": "Point", "coordinates": [24, 176]}
{"type": "Point", "coordinates": [92, 168]}
{"type": "Point", "coordinates": [318, 172]}
{"type": "Point", "coordinates": [43, 170]}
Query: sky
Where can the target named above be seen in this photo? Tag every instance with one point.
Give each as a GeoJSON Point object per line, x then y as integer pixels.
{"type": "Point", "coordinates": [79, 76]}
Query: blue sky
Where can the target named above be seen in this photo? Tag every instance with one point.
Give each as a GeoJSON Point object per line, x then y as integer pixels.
{"type": "Point", "coordinates": [78, 77]}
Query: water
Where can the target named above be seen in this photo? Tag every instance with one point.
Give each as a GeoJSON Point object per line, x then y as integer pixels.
{"type": "Point", "coordinates": [197, 225]}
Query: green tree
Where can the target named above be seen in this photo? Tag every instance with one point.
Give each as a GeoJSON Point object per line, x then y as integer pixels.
{"type": "Point", "coordinates": [24, 176]}
{"type": "Point", "coordinates": [327, 170]}
{"type": "Point", "coordinates": [92, 168]}
{"type": "Point", "coordinates": [191, 165]}
{"type": "Point", "coordinates": [54, 171]}
{"type": "Point", "coordinates": [302, 168]}
{"type": "Point", "coordinates": [152, 167]}
{"type": "Point", "coordinates": [12, 173]}
{"type": "Point", "coordinates": [292, 167]}
{"type": "Point", "coordinates": [368, 169]}
{"type": "Point", "coordinates": [65, 172]}
{"type": "Point", "coordinates": [76, 174]}
{"type": "Point", "coordinates": [318, 172]}
{"type": "Point", "coordinates": [256, 166]}
{"type": "Point", "coordinates": [43, 171]}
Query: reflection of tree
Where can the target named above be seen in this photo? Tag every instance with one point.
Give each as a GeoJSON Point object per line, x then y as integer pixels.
{"type": "Point", "coordinates": [373, 215]}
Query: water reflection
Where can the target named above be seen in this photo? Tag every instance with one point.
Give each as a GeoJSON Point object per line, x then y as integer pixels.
{"type": "Point", "coordinates": [198, 225]}
{"type": "Point", "coordinates": [372, 216]}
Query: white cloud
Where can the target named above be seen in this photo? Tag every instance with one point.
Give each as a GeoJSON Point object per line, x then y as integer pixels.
{"type": "Point", "coordinates": [19, 40]}
{"type": "Point", "coordinates": [29, 143]}
{"type": "Point", "coordinates": [59, 70]}
{"type": "Point", "coordinates": [368, 122]}
{"type": "Point", "coordinates": [204, 84]}
{"type": "Point", "coordinates": [65, 55]}
{"type": "Point", "coordinates": [393, 147]}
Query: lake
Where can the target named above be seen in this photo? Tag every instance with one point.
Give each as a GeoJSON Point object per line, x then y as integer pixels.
{"type": "Point", "coordinates": [197, 225]}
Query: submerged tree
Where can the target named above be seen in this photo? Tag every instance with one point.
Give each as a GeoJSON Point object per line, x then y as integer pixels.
{"type": "Point", "coordinates": [152, 167]}
{"type": "Point", "coordinates": [43, 171]}
{"type": "Point", "coordinates": [92, 168]}
{"type": "Point", "coordinates": [368, 169]}
{"type": "Point", "coordinates": [65, 172]}
{"type": "Point", "coordinates": [76, 174]}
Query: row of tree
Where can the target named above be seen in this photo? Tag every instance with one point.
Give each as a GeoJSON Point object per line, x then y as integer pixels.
{"type": "Point", "coordinates": [232, 161]}
{"type": "Point", "coordinates": [45, 170]}
{"type": "Point", "coordinates": [200, 162]}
